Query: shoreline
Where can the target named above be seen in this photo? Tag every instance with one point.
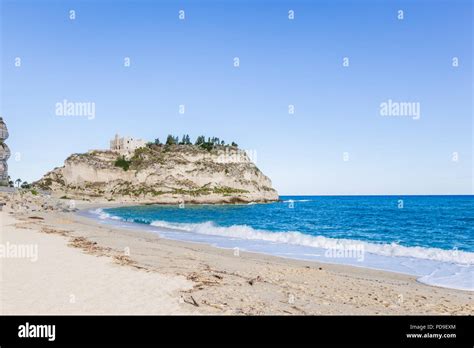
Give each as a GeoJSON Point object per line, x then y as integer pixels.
{"type": "Point", "coordinates": [83, 214]}
{"type": "Point", "coordinates": [218, 282]}
{"type": "Point", "coordinates": [426, 268]}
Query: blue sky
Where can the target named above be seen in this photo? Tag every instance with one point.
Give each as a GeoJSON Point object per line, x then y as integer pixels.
{"type": "Point", "coordinates": [282, 62]}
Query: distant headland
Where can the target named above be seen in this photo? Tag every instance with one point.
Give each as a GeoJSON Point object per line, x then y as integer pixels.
{"type": "Point", "coordinates": [207, 170]}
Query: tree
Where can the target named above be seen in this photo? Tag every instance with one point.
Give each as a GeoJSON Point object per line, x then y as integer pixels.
{"type": "Point", "coordinates": [234, 144]}
{"type": "Point", "coordinates": [157, 141]}
{"type": "Point", "coordinates": [25, 185]}
{"type": "Point", "coordinates": [200, 140]}
{"type": "Point", "coordinates": [187, 140]}
{"type": "Point", "coordinates": [170, 140]}
{"type": "Point", "coordinates": [18, 182]}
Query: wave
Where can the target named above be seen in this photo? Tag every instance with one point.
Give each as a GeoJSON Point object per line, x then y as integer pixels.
{"type": "Point", "coordinates": [297, 200]}
{"type": "Point", "coordinates": [104, 215]}
{"type": "Point", "coordinates": [297, 238]}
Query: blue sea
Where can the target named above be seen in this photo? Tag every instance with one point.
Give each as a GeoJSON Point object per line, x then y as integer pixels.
{"type": "Point", "coordinates": [430, 237]}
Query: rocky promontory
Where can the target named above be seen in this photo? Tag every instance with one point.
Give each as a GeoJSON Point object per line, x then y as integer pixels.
{"type": "Point", "coordinates": [162, 173]}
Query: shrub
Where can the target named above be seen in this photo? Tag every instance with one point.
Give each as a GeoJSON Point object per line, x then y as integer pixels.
{"type": "Point", "coordinates": [122, 163]}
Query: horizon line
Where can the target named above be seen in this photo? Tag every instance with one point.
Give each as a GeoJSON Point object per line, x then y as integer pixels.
{"type": "Point", "coordinates": [374, 195]}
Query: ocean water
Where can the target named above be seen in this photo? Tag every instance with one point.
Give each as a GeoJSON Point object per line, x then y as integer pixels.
{"type": "Point", "coordinates": [430, 237]}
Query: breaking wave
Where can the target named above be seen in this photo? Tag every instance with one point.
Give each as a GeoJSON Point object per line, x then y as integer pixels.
{"type": "Point", "coordinates": [433, 266]}
{"type": "Point", "coordinates": [298, 238]}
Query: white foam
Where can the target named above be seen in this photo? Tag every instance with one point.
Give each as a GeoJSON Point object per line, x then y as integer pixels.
{"type": "Point", "coordinates": [297, 200]}
{"type": "Point", "coordinates": [104, 215]}
{"type": "Point", "coordinates": [461, 278]}
{"type": "Point", "coordinates": [297, 238]}
{"type": "Point", "coordinates": [433, 266]}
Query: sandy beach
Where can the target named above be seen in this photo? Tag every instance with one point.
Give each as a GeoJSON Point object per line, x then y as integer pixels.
{"type": "Point", "coordinates": [84, 267]}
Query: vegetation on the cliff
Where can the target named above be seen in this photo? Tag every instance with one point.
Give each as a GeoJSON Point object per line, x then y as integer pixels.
{"type": "Point", "coordinates": [135, 191]}
{"type": "Point", "coordinates": [156, 152]}
{"type": "Point", "coordinates": [209, 144]}
{"type": "Point", "coordinates": [122, 163]}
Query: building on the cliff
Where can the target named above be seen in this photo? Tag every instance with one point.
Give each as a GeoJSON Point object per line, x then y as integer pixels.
{"type": "Point", "coordinates": [126, 145]}
{"type": "Point", "coordinates": [4, 153]}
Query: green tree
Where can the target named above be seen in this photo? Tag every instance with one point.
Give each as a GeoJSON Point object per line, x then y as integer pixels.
{"type": "Point", "coordinates": [200, 140]}
{"type": "Point", "coordinates": [122, 163]}
{"type": "Point", "coordinates": [170, 140]}
{"type": "Point", "coordinates": [18, 182]}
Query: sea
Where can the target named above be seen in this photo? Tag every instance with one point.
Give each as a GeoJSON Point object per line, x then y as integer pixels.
{"type": "Point", "coordinates": [429, 237]}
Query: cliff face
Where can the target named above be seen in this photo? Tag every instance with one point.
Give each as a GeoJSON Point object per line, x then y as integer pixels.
{"type": "Point", "coordinates": [162, 174]}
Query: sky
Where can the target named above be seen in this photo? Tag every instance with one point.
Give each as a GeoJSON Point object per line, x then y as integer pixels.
{"type": "Point", "coordinates": [337, 141]}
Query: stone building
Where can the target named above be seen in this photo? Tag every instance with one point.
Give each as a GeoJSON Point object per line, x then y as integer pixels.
{"type": "Point", "coordinates": [4, 153]}
{"type": "Point", "coordinates": [126, 145]}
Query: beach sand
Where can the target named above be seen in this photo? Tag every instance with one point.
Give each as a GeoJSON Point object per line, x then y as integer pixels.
{"type": "Point", "coordinates": [65, 280]}
{"type": "Point", "coordinates": [85, 267]}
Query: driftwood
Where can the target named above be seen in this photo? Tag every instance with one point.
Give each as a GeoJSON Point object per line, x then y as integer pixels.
{"type": "Point", "coordinates": [192, 301]}
{"type": "Point", "coordinates": [35, 218]}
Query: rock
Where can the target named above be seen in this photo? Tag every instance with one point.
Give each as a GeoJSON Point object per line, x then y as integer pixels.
{"type": "Point", "coordinates": [162, 174]}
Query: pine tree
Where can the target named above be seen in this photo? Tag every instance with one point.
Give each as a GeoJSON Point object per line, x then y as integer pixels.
{"type": "Point", "coordinates": [170, 140]}
{"type": "Point", "coordinates": [200, 140]}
